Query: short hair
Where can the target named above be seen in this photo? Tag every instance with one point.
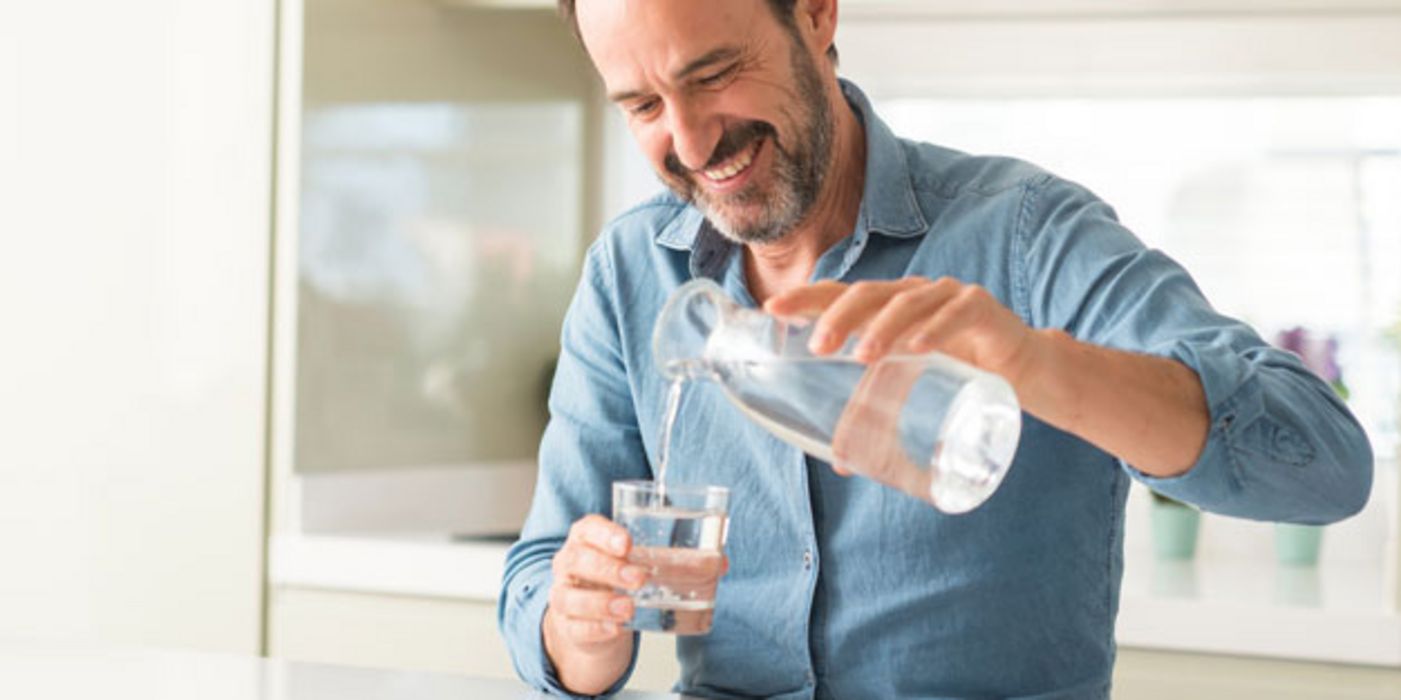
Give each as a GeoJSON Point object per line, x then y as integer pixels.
{"type": "Point", "coordinates": [782, 9]}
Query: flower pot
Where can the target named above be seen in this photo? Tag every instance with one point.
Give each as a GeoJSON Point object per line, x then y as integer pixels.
{"type": "Point", "coordinates": [1297, 545]}
{"type": "Point", "coordinates": [1175, 530]}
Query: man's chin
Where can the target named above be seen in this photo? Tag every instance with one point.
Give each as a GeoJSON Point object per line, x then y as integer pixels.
{"type": "Point", "coordinates": [745, 230]}
{"type": "Point", "coordinates": [742, 217]}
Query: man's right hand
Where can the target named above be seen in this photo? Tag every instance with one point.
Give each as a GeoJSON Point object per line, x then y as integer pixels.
{"type": "Point", "coordinates": [583, 626]}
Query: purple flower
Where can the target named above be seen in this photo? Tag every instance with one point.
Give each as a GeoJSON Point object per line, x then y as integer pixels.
{"type": "Point", "coordinates": [1320, 355]}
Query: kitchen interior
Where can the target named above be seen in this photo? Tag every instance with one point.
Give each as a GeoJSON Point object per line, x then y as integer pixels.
{"type": "Point", "coordinates": [284, 279]}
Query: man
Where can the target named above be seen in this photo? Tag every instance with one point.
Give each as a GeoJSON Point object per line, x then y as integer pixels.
{"type": "Point", "coordinates": [792, 194]}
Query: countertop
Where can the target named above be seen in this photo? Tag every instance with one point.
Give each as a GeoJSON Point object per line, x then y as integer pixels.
{"type": "Point", "coordinates": [53, 672]}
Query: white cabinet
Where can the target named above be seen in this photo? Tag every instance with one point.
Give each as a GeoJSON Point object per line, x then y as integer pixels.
{"type": "Point", "coordinates": [387, 631]}
{"type": "Point", "coordinates": [407, 603]}
{"type": "Point", "coordinates": [422, 634]}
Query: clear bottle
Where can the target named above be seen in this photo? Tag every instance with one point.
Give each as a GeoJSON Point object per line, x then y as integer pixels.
{"type": "Point", "coordinates": [929, 425]}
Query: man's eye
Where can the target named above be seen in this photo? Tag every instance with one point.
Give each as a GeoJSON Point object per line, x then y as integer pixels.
{"type": "Point", "coordinates": [644, 108]}
{"type": "Point", "coordinates": [716, 78]}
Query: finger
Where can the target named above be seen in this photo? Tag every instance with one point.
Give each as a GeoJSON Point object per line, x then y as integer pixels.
{"type": "Point", "coordinates": [852, 310]}
{"type": "Point", "coordinates": [591, 604]}
{"type": "Point", "coordinates": [807, 300]}
{"type": "Point", "coordinates": [586, 564]}
{"type": "Point", "coordinates": [947, 326]}
{"type": "Point", "coordinates": [905, 311]}
{"type": "Point", "coordinates": [591, 631]}
{"type": "Point", "coordinates": [601, 533]}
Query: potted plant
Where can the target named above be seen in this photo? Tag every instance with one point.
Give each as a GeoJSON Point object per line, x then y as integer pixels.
{"type": "Point", "coordinates": [1175, 526]}
{"type": "Point", "coordinates": [1299, 545]}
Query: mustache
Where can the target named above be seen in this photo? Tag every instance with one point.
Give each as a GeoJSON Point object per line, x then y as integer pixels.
{"type": "Point", "coordinates": [732, 142]}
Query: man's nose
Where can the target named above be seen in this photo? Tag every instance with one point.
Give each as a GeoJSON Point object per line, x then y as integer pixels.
{"type": "Point", "coordinates": [693, 137]}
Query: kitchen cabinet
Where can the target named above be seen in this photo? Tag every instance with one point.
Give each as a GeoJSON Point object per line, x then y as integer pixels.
{"type": "Point", "coordinates": [419, 603]}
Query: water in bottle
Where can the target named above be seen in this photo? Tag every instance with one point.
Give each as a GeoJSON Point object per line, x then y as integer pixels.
{"type": "Point", "coordinates": [931, 426]}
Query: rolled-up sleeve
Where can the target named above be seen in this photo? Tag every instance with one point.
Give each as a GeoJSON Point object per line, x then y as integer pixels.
{"type": "Point", "coordinates": [1282, 446]}
{"type": "Point", "coordinates": [592, 439]}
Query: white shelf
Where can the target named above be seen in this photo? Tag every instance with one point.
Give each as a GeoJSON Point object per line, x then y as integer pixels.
{"type": "Point", "coordinates": [425, 566]}
{"type": "Point", "coordinates": [1248, 608]}
{"type": "Point", "coordinates": [1234, 598]}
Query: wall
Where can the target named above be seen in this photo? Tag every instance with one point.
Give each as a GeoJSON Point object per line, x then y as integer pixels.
{"type": "Point", "coordinates": [135, 175]}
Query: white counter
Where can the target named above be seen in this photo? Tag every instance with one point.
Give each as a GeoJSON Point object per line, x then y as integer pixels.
{"type": "Point", "coordinates": [46, 672]}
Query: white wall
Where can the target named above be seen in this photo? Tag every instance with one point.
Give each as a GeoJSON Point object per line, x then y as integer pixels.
{"type": "Point", "coordinates": [1064, 53]}
{"type": "Point", "coordinates": [135, 179]}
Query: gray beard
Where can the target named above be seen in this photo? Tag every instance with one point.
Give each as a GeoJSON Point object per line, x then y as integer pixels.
{"type": "Point", "coordinates": [780, 216]}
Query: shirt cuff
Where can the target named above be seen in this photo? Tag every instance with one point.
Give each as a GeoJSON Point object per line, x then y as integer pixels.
{"type": "Point", "coordinates": [1233, 400]}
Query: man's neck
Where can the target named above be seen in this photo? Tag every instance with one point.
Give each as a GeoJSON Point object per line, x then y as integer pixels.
{"type": "Point", "coordinates": [772, 268]}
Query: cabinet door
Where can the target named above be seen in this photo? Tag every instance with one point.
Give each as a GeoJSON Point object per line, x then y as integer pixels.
{"type": "Point", "coordinates": [135, 172]}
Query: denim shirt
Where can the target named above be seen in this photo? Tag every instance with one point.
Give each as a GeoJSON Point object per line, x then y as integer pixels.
{"type": "Point", "coordinates": [843, 588]}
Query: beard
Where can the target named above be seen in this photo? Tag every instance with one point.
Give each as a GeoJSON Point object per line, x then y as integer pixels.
{"type": "Point", "coordinates": [767, 213]}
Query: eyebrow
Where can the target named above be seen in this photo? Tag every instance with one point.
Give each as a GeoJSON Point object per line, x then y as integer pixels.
{"type": "Point", "coordinates": [710, 58]}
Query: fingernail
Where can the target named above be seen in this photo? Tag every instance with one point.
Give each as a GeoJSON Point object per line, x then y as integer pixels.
{"type": "Point", "coordinates": [619, 607]}
{"type": "Point", "coordinates": [819, 341]}
{"type": "Point", "coordinates": [609, 627]}
{"type": "Point", "coordinates": [619, 543]}
{"type": "Point", "coordinates": [633, 574]}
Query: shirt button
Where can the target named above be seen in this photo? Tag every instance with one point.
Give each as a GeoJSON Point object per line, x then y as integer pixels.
{"type": "Point", "coordinates": [807, 559]}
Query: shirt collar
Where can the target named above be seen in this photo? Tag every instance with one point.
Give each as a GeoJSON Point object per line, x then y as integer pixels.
{"type": "Point", "coordinates": [888, 203]}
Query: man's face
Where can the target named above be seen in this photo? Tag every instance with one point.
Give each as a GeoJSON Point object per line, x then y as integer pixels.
{"type": "Point", "coordinates": [726, 102]}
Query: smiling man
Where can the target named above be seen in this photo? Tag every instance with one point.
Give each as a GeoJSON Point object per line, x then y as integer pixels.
{"type": "Point", "coordinates": [786, 188]}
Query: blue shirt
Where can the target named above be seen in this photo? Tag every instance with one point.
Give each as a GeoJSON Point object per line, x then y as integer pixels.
{"type": "Point", "coordinates": [843, 588]}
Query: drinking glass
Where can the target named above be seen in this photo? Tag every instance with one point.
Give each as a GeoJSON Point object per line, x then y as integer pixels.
{"type": "Point", "coordinates": [678, 532]}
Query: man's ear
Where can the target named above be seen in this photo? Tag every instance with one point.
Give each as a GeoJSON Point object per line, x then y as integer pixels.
{"type": "Point", "coordinates": [817, 19]}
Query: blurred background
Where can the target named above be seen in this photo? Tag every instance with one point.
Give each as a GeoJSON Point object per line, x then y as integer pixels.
{"type": "Point", "coordinates": [281, 284]}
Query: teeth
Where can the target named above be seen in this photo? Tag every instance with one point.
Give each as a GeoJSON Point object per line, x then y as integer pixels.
{"type": "Point", "coordinates": [737, 165]}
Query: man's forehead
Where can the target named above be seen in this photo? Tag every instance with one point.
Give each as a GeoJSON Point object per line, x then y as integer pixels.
{"type": "Point", "coordinates": [661, 35]}
{"type": "Point", "coordinates": [683, 10]}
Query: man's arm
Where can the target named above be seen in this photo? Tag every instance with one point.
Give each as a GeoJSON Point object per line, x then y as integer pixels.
{"type": "Point", "coordinates": [592, 439]}
{"type": "Point", "coordinates": [1148, 411]}
{"type": "Point", "coordinates": [1280, 444]}
{"type": "Point", "coordinates": [1114, 343]}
